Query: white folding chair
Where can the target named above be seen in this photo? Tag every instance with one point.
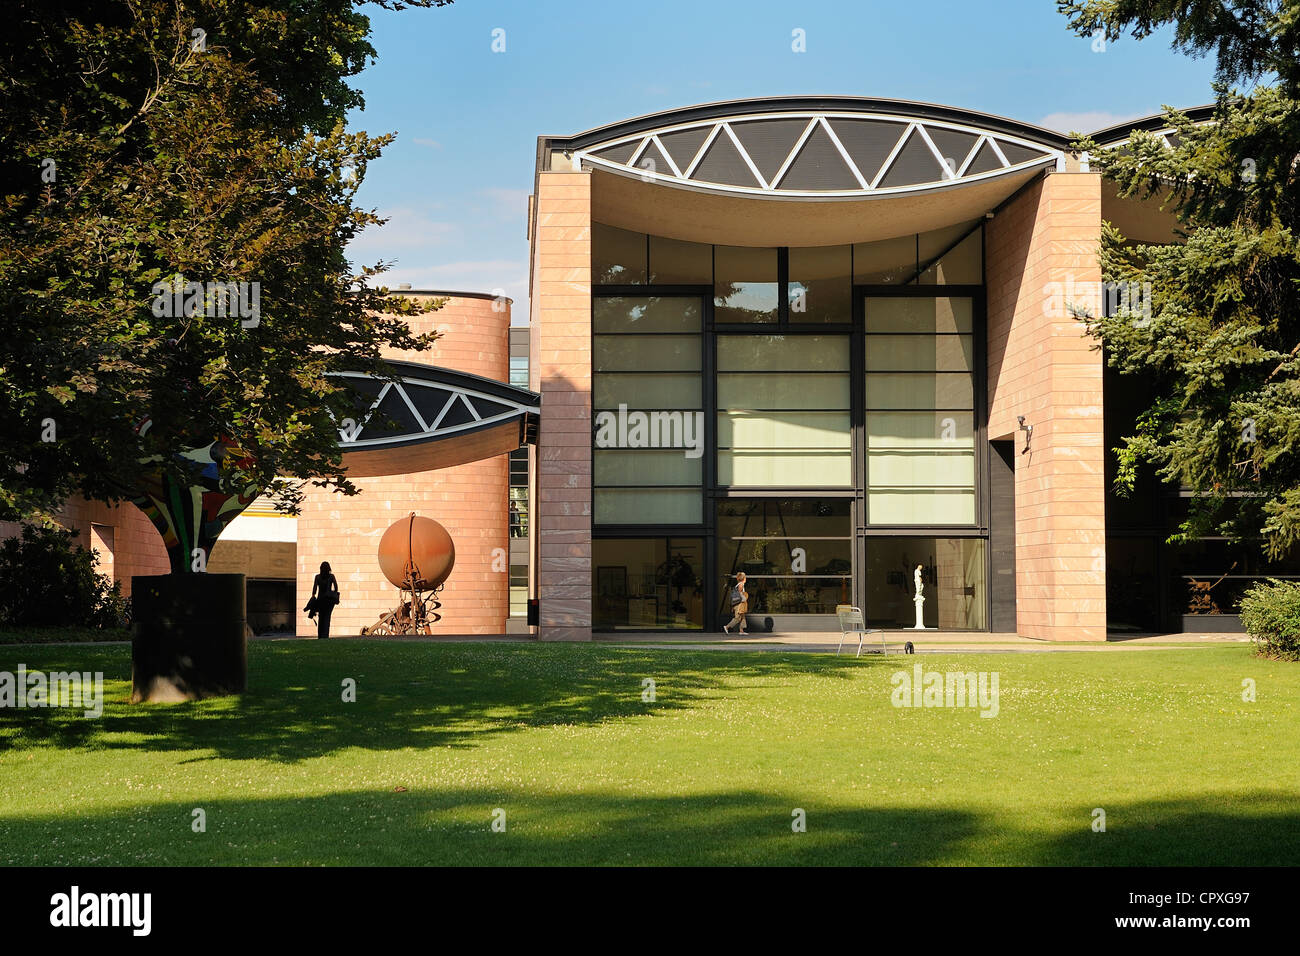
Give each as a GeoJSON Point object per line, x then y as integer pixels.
{"type": "Point", "coordinates": [851, 622]}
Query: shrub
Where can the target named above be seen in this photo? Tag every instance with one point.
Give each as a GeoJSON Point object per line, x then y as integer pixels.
{"type": "Point", "coordinates": [1270, 612]}
{"type": "Point", "coordinates": [48, 580]}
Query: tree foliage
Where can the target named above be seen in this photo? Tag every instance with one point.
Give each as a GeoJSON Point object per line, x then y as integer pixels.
{"type": "Point", "coordinates": [47, 579]}
{"type": "Point", "coordinates": [148, 142]}
{"type": "Point", "coordinates": [1221, 343]}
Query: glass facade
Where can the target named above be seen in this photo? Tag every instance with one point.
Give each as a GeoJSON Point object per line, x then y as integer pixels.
{"type": "Point", "coordinates": [783, 417]}
{"type": "Point", "coordinates": [811, 417]}
{"type": "Point", "coordinates": [953, 575]}
{"type": "Point", "coordinates": [920, 410]}
{"type": "Point", "coordinates": [648, 583]}
{"type": "Point", "coordinates": [745, 285]}
{"type": "Point", "coordinates": [647, 408]}
{"type": "Point", "coordinates": [797, 553]}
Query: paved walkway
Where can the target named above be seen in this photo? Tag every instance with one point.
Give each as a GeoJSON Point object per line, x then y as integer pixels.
{"type": "Point", "coordinates": [925, 642]}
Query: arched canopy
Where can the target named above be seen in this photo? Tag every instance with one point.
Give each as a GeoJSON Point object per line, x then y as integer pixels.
{"type": "Point", "coordinates": [803, 170]}
{"type": "Point", "coordinates": [431, 418]}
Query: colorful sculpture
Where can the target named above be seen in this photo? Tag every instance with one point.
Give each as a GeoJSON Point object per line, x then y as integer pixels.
{"type": "Point", "coordinates": [189, 501]}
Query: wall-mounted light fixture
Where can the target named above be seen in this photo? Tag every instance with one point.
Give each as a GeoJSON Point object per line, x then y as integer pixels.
{"type": "Point", "coordinates": [1029, 433]}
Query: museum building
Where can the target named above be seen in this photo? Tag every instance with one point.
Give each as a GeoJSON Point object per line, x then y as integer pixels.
{"type": "Point", "coordinates": [823, 340]}
{"type": "Point", "coordinates": [820, 340]}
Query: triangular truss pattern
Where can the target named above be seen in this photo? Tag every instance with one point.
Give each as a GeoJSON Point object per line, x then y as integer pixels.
{"type": "Point", "coordinates": [818, 154]}
{"type": "Point", "coordinates": [414, 409]}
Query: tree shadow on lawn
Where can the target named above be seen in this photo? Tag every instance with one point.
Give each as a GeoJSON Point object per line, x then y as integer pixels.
{"type": "Point", "coordinates": [742, 827]}
{"type": "Point", "coordinates": [407, 695]}
{"type": "Point", "coordinates": [1257, 828]}
{"type": "Point", "coordinates": [454, 827]}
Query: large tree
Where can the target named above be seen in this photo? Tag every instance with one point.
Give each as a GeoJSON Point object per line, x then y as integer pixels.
{"type": "Point", "coordinates": [152, 147]}
{"type": "Point", "coordinates": [1218, 334]}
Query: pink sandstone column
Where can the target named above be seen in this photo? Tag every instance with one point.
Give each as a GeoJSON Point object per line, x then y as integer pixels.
{"type": "Point", "coordinates": [560, 368]}
{"type": "Point", "coordinates": [1042, 257]}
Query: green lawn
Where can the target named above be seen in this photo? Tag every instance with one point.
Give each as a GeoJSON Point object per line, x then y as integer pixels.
{"type": "Point", "coordinates": [559, 738]}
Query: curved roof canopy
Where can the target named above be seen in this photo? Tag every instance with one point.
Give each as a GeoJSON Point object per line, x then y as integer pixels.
{"type": "Point", "coordinates": [847, 168]}
{"type": "Point", "coordinates": [431, 418]}
{"type": "Point", "coordinates": [815, 148]}
{"type": "Point", "coordinates": [1120, 133]}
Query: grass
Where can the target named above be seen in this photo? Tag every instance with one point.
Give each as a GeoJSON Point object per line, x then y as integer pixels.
{"type": "Point", "coordinates": [558, 737]}
{"type": "Point", "coordinates": [62, 635]}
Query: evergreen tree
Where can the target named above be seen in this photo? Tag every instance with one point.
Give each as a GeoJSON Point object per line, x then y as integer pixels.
{"type": "Point", "coordinates": [1219, 335]}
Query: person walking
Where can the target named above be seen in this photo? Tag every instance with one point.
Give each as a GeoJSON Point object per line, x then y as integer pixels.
{"type": "Point", "coordinates": [324, 598]}
{"type": "Point", "coordinates": [516, 522]}
{"type": "Point", "coordinates": [739, 605]}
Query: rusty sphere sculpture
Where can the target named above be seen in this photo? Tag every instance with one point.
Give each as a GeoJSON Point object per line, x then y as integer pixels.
{"type": "Point", "coordinates": [423, 541]}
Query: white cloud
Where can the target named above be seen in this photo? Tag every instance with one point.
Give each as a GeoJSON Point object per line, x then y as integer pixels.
{"type": "Point", "coordinates": [406, 228]}
{"type": "Point", "coordinates": [508, 203]}
{"type": "Point", "coordinates": [431, 143]}
{"type": "Point", "coordinates": [1086, 122]}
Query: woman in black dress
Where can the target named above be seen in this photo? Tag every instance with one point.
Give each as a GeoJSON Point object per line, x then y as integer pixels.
{"type": "Point", "coordinates": [328, 588]}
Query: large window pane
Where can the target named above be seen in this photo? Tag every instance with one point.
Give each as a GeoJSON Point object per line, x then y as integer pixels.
{"type": "Point", "coordinates": [941, 431]}
{"type": "Point", "coordinates": [675, 262]}
{"type": "Point", "coordinates": [919, 314]}
{"type": "Point", "coordinates": [914, 469]}
{"type": "Point", "coordinates": [783, 390]}
{"type": "Point", "coordinates": [953, 582]}
{"type": "Point", "coordinates": [920, 390]}
{"type": "Point", "coordinates": [921, 506]}
{"type": "Point", "coordinates": [821, 285]}
{"type": "Point", "coordinates": [745, 287]}
{"type": "Point", "coordinates": [618, 257]}
{"type": "Point", "coordinates": [796, 552]}
{"type": "Point", "coordinates": [646, 314]}
{"type": "Point", "coordinates": [915, 353]}
{"type": "Point", "coordinates": [787, 423]}
{"type": "Point", "coordinates": [789, 429]}
{"type": "Point", "coordinates": [886, 262]}
{"type": "Point", "coordinates": [920, 463]}
{"type": "Point", "coordinates": [785, 468]}
{"type": "Point", "coordinates": [803, 518]}
{"type": "Point", "coordinates": [647, 396]}
{"type": "Point", "coordinates": [790, 448]}
{"type": "Point", "coordinates": [648, 505]}
{"type": "Point", "coordinates": [787, 353]}
{"type": "Point", "coordinates": [962, 265]}
{"type": "Point", "coordinates": [639, 391]}
{"type": "Point", "coordinates": [645, 466]}
{"type": "Point", "coordinates": [621, 353]}
{"type": "Point", "coordinates": [647, 583]}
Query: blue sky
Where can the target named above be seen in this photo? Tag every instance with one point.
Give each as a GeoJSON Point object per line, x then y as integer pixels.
{"type": "Point", "coordinates": [456, 181]}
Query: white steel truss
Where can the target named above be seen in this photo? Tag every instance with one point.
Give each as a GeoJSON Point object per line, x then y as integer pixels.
{"type": "Point", "coordinates": [947, 170]}
{"type": "Point", "coordinates": [483, 410]}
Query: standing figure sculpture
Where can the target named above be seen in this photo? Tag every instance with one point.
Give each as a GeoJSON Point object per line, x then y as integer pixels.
{"type": "Point", "coordinates": [919, 600]}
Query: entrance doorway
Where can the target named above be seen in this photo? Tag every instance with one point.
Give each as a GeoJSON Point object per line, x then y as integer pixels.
{"type": "Point", "coordinates": [797, 554]}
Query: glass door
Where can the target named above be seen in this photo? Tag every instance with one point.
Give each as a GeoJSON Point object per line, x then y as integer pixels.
{"type": "Point", "coordinates": [920, 461]}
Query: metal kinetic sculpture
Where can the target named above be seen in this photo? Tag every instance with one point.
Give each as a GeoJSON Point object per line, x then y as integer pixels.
{"type": "Point", "coordinates": [416, 555]}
